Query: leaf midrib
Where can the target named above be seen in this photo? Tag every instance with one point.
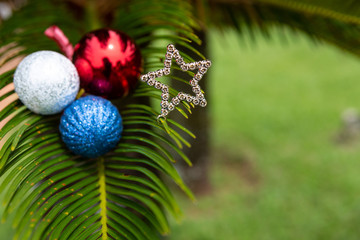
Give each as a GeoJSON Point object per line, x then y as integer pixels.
{"type": "Point", "coordinates": [102, 190]}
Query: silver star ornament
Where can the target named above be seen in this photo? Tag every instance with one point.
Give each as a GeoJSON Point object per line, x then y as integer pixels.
{"type": "Point", "coordinates": [167, 104]}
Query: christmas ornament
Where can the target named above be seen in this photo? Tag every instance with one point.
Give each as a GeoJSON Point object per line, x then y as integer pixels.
{"type": "Point", "coordinates": [46, 82]}
{"type": "Point", "coordinates": [108, 62]}
{"type": "Point", "coordinates": [169, 105]}
{"type": "Point", "coordinates": [91, 126]}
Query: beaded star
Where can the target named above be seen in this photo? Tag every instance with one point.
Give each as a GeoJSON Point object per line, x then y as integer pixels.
{"type": "Point", "coordinates": [168, 105]}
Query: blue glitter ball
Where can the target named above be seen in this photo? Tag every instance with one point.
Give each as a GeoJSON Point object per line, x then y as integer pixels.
{"type": "Point", "coordinates": [91, 126]}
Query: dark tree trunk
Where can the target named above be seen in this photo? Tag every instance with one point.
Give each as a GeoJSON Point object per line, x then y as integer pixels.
{"type": "Point", "coordinates": [197, 176]}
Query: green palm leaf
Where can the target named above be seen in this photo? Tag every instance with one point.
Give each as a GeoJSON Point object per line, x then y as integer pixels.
{"type": "Point", "coordinates": [53, 194]}
{"type": "Point", "coordinates": [333, 21]}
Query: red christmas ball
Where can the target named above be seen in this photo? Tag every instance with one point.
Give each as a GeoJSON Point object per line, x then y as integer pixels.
{"type": "Point", "coordinates": [108, 63]}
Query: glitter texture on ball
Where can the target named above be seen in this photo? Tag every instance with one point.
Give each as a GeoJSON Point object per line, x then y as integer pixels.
{"type": "Point", "coordinates": [108, 62]}
{"type": "Point", "coordinates": [46, 82]}
{"type": "Point", "coordinates": [91, 126]}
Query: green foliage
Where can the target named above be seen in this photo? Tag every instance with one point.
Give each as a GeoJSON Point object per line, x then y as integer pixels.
{"type": "Point", "coordinates": [53, 194]}
{"type": "Point", "coordinates": [335, 21]}
{"type": "Point", "coordinates": [277, 171]}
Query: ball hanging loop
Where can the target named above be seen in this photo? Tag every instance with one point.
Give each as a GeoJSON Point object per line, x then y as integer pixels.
{"type": "Point", "coordinates": [56, 34]}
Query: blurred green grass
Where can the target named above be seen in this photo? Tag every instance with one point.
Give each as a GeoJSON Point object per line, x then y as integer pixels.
{"type": "Point", "coordinates": [277, 172]}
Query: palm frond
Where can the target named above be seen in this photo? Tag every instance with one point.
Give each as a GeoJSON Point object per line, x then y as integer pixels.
{"type": "Point", "coordinates": [336, 22]}
{"type": "Point", "coordinates": [53, 194]}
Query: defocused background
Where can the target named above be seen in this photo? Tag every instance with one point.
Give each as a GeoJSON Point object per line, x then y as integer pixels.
{"type": "Point", "coordinates": [285, 142]}
{"type": "Point", "coordinates": [284, 129]}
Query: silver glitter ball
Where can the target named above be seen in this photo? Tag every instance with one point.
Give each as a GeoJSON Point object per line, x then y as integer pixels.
{"type": "Point", "coordinates": [46, 82]}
